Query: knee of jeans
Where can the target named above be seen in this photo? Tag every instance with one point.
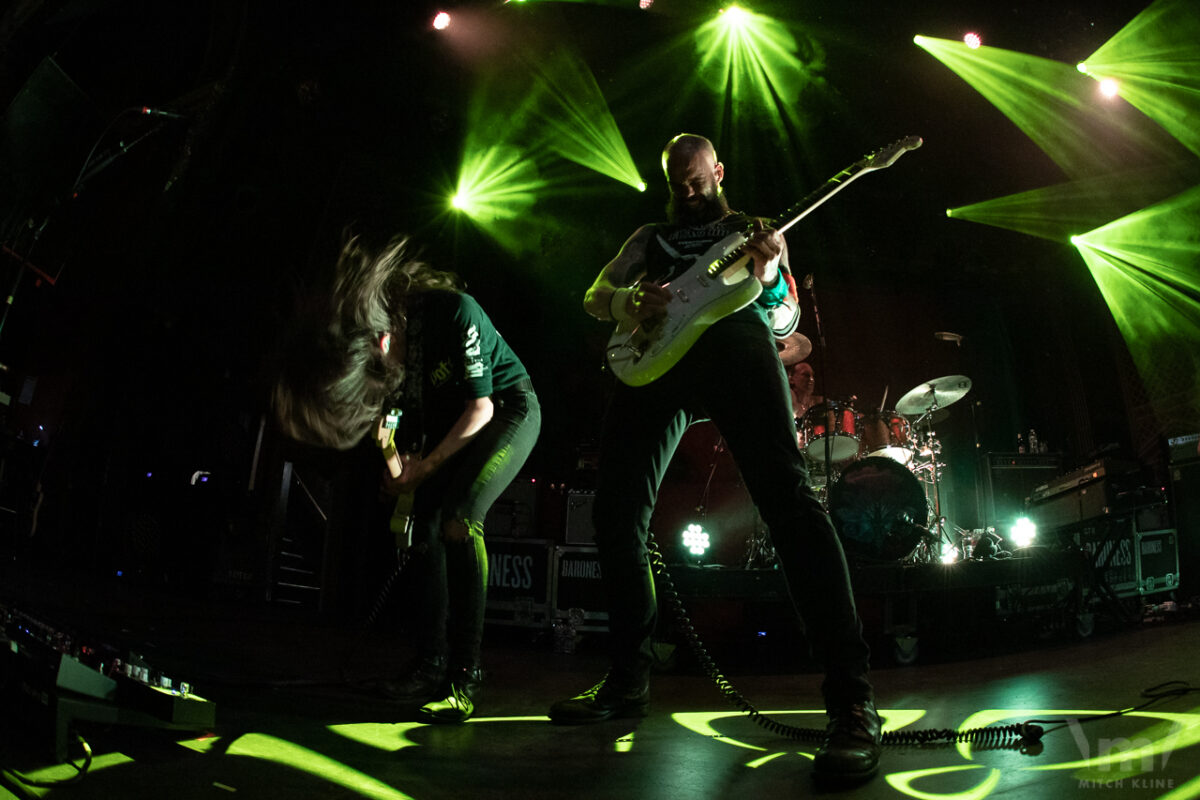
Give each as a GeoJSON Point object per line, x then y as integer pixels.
{"type": "Point", "coordinates": [461, 530]}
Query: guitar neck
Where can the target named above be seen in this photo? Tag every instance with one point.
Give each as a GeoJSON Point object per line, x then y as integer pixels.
{"type": "Point", "coordinates": [878, 160]}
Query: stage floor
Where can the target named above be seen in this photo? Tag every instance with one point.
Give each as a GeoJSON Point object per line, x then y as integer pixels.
{"type": "Point", "coordinates": [293, 721]}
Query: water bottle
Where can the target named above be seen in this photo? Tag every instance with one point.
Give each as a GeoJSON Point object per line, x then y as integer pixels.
{"type": "Point", "coordinates": [1020, 443]}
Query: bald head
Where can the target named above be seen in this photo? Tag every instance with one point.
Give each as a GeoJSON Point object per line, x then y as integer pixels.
{"type": "Point", "coordinates": [684, 147]}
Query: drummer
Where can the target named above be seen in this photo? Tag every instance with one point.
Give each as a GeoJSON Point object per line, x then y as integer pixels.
{"type": "Point", "coordinates": [802, 381]}
{"type": "Point", "coordinates": [793, 349]}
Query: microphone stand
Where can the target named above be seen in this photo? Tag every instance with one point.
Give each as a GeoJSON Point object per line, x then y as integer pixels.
{"type": "Point", "coordinates": [823, 382]}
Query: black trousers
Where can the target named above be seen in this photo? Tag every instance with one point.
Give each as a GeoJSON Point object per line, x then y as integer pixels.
{"type": "Point", "coordinates": [454, 575]}
{"type": "Point", "coordinates": [733, 376]}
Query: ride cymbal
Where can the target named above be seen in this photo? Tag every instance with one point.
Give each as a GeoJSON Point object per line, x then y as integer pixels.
{"type": "Point", "coordinates": [937, 393]}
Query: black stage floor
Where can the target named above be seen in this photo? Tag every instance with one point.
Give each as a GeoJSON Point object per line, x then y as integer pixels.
{"type": "Point", "coordinates": [290, 720]}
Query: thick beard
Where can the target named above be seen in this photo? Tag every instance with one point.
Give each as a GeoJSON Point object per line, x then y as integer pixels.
{"type": "Point", "coordinates": [711, 210]}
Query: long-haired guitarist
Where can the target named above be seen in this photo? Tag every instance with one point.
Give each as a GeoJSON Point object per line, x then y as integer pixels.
{"type": "Point", "coordinates": [392, 337]}
{"type": "Point", "coordinates": [733, 375]}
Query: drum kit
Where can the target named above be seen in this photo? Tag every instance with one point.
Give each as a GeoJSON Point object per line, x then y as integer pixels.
{"type": "Point", "coordinates": [878, 472]}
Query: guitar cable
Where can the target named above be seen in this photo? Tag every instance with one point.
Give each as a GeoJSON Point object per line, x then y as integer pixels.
{"type": "Point", "coordinates": [1024, 736]}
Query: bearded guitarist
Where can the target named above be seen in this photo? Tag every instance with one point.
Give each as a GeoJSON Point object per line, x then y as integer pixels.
{"type": "Point", "coordinates": [731, 374]}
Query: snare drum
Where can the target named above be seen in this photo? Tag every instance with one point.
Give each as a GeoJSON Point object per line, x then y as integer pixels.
{"type": "Point", "coordinates": [835, 420]}
{"type": "Point", "coordinates": [886, 433]}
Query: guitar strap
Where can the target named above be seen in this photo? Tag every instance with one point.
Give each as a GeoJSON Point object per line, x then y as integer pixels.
{"type": "Point", "coordinates": [783, 316]}
{"type": "Point", "coordinates": [671, 251]}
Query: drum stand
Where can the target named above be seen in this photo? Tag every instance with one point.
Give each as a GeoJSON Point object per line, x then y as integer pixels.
{"type": "Point", "coordinates": [938, 529]}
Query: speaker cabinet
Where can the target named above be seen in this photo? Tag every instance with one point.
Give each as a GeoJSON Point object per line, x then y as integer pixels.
{"type": "Point", "coordinates": [1010, 479]}
{"type": "Point", "coordinates": [1185, 504]}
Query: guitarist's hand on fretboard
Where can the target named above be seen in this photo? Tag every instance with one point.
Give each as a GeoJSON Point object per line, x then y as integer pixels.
{"type": "Point", "coordinates": [765, 246]}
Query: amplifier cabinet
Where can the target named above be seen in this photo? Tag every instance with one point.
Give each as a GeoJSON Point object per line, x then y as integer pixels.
{"type": "Point", "coordinates": [1010, 480]}
{"type": "Point", "coordinates": [577, 591]}
{"type": "Point", "coordinates": [1157, 561]}
{"type": "Point", "coordinates": [1082, 503]}
{"type": "Point", "coordinates": [579, 518]}
{"type": "Point", "coordinates": [518, 582]}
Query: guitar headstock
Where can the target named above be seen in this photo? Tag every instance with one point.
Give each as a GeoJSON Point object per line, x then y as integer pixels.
{"type": "Point", "coordinates": [886, 156]}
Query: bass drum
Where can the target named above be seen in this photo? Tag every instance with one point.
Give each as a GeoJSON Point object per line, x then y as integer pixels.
{"type": "Point", "coordinates": [879, 510]}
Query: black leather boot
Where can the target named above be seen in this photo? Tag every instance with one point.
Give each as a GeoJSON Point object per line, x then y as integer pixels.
{"type": "Point", "coordinates": [606, 700]}
{"type": "Point", "coordinates": [420, 682]}
{"type": "Point", "coordinates": [852, 746]}
{"type": "Point", "coordinates": [459, 697]}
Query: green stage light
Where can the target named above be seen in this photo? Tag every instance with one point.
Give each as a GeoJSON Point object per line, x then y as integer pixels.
{"type": "Point", "coordinates": [695, 539]}
{"type": "Point", "coordinates": [496, 188]}
{"type": "Point", "coordinates": [1057, 212]}
{"type": "Point", "coordinates": [759, 64]}
{"type": "Point", "coordinates": [529, 121]}
{"type": "Point", "coordinates": [1055, 106]}
{"type": "Point", "coordinates": [1147, 267]}
{"type": "Point", "coordinates": [1023, 532]}
{"type": "Point", "coordinates": [566, 113]}
{"type": "Point", "coordinates": [1155, 59]}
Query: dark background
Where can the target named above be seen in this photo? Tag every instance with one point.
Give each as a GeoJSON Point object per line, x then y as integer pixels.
{"type": "Point", "coordinates": [142, 344]}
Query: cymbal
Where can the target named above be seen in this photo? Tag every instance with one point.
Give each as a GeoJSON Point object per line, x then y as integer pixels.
{"type": "Point", "coordinates": [939, 392]}
{"type": "Point", "coordinates": [793, 348]}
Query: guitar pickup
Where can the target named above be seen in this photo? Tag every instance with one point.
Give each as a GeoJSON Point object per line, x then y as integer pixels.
{"type": "Point", "coordinates": [682, 295]}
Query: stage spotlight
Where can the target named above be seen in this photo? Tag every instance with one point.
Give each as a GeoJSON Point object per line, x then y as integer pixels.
{"type": "Point", "coordinates": [441, 21]}
{"type": "Point", "coordinates": [972, 41]}
{"type": "Point", "coordinates": [1023, 532]}
{"type": "Point", "coordinates": [735, 16]}
{"type": "Point", "coordinates": [949, 552]}
{"type": "Point", "coordinates": [695, 539]}
{"type": "Point", "coordinates": [645, 4]}
{"type": "Point", "coordinates": [1109, 88]}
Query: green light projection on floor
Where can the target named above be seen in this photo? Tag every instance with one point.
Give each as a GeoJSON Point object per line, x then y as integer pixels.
{"type": "Point", "coordinates": [1156, 62]}
{"type": "Point", "coordinates": [1059, 212]}
{"type": "Point", "coordinates": [760, 65]}
{"type": "Point", "coordinates": [280, 751]}
{"type": "Point", "coordinates": [1099, 752]}
{"type": "Point", "coordinates": [1056, 107]}
{"type": "Point", "coordinates": [70, 771]}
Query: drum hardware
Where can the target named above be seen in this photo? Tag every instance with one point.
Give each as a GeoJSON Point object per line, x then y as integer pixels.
{"type": "Point", "coordinates": [980, 544]}
{"type": "Point", "coordinates": [760, 551]}
{"type": "Point", "coordinates": [924, 402]}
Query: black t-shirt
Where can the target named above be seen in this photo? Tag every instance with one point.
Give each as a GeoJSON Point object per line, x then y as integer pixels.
{"type": "Point", "coordinates": [674, 248]}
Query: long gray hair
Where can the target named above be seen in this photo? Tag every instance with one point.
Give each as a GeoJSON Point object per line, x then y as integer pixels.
{"type": "Point", "coordinates": [334, 379]}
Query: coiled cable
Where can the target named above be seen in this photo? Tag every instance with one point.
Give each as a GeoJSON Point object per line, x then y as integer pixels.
{"type": "Point", "coordinates": [1019, 736]}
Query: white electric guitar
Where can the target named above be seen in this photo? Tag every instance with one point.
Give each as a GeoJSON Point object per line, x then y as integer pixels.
{"type": "Point", "coordinates": [717, 284]}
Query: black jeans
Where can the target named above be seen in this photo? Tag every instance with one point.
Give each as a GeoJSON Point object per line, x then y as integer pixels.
{"type": "Point", "coordinates": [455, 574]}
{"type": "Point", "coordinates": [732, 375]}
